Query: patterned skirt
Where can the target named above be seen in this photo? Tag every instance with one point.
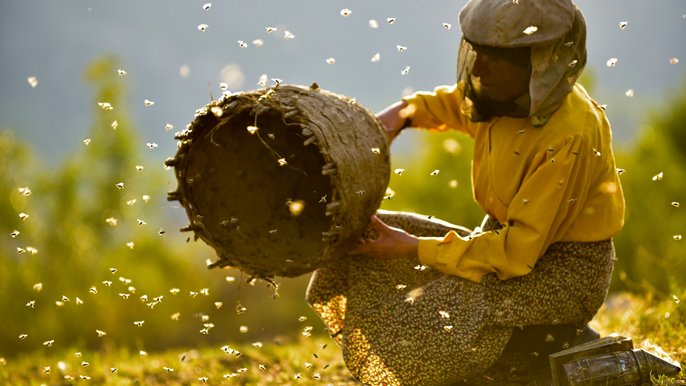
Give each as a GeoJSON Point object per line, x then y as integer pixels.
{"type": "Point", "coordinates": [400, 323]}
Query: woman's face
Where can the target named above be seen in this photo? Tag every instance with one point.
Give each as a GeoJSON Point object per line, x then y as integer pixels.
{"type": "Point", "coordinates": [501, 74]}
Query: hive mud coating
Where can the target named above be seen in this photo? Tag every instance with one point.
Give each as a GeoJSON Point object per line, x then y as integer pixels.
{"type": "Point", "coordinates": [279, 180]}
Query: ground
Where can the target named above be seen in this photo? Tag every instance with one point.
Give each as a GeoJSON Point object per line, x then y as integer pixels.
{"type": "Point", "coordinates": [658, 326]}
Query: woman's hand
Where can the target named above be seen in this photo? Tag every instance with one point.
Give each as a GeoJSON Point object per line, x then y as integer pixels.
{"type": "Point", "coordinates": [391, 243]}
{"type": "Point", "coordinates": [394, 118]}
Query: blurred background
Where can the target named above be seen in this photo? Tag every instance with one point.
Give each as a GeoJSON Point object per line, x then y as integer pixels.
{"type": "Point", "coordinates": [90, 253]}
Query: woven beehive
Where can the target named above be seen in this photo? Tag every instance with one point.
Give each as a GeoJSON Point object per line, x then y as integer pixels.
{"type": "Point", "coordinates": [279, 180]}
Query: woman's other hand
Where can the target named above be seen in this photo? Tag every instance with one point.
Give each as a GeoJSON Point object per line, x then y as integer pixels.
{"type": "Point", "coordinates": [390, 243]}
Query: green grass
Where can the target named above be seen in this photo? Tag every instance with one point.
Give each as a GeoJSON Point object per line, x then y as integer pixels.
{"type": "Point", "coordinates": [657, 326]}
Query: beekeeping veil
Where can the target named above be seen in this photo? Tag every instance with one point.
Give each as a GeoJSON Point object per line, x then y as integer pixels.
{"type": "Point", "coordinates": [554, 30]}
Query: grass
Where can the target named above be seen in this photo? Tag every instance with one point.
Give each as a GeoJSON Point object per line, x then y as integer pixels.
{"type": "Point", "coordinates": [313, 360]}
{"type": "Point", "coordinates": [657, 326]}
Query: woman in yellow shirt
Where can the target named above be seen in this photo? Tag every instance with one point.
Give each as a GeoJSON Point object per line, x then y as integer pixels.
{"type": "Point", "coordinates": [556, 182]}
{"type": "Point", "coordinates": [498, 299]}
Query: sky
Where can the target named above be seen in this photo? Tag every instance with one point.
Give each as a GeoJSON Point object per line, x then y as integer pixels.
{"type": "Point", "coordinates": [349, 47]}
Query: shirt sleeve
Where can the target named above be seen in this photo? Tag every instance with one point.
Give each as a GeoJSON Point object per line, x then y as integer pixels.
{"type": "Point", "coordinates": [437, 110]}
{"type": "Point", "coordinates": [550, 197]}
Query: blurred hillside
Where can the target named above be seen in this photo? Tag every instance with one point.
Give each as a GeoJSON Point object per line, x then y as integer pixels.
{"type": "Point", "coordinates": [91, 254]}
{"type": "Point", "coordinates": [91, 257]}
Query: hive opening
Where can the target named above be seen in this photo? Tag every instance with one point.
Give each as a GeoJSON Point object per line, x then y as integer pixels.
{"type": "Point", "coordinates": [263, 193]}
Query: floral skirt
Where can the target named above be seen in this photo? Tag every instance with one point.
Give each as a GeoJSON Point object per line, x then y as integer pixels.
{"type": "Point", "coordinates": [400, 323]}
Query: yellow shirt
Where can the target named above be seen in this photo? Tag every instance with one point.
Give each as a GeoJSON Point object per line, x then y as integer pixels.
{"type": "Point", "coordinates": [545, 184]}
